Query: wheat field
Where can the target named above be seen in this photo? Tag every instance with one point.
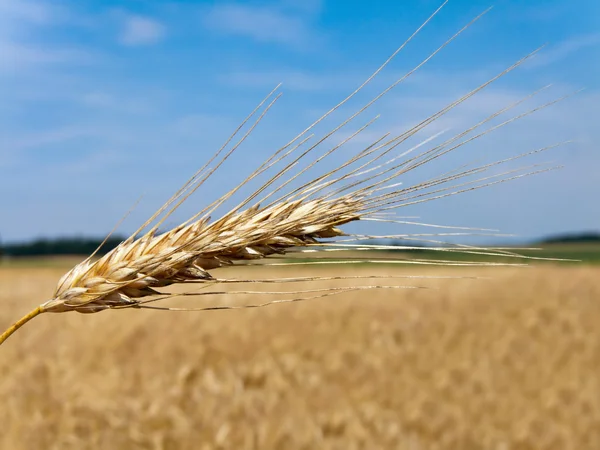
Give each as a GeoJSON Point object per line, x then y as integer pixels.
{"type": "Point", "coordinates": [507, 361]}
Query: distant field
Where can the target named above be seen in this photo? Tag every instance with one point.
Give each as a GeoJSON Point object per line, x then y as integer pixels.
{"type": "Point", "coordinates": [578, 253]}
{"type": "Point", "coordinates": [40, 261]}
{"type": "Point", "coordinates": [508, 361]}
{"type": "Point", "coordinates": [545, 254]}
{"type": "Point", "coordinates": [589, 253]}
{"type": "Point", "coordinates": [571, 253]}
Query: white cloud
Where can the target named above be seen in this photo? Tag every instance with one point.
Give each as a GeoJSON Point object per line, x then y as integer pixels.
{"type": "Point", "coordinates": [564, 49]}
{"type": "Point", "coordinates": [139, 30]}
{"type": "Point", "coordinates": [261, 24]}
{"type": "Point", "coordinates": [16, 56]}
{"type": "Point", "coordinates": [14, 12]}
{"type": "Point", "coordinates": [24, 30]}
{"type": "Point", "coordinates": [53, 136]}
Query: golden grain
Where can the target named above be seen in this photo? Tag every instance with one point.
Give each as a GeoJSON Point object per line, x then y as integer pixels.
{"type": "Point", "coordinates": [510, 362]}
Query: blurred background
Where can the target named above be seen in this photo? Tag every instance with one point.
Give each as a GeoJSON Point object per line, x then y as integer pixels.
{"type": "Point", "coordinates": [104, 102]}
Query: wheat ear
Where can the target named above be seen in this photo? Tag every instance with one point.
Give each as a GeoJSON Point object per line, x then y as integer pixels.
{"type": "Point", "coordinates": [278, 219]}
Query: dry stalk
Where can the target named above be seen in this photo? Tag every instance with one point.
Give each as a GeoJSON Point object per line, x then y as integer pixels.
{"type": "Point", "coordinates": [278, 219]}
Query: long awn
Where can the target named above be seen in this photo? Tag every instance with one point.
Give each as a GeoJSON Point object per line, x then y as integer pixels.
{"type": "Point", "coordinates": [279, 218]}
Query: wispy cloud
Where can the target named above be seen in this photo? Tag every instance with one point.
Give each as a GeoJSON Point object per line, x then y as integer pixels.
{"type": "Point", "coordinates": [259, 23]}
{"type": "Point", "coordinates": [128, 104]}
{"type": "Point", "coordinates": [565, 49]}
{"type": "Point", "coordinates": [54, 136]}
{"type": "Point", "coordinates": [16, 12]}
{"type": "Point", "coordinates": [19, 56]}
{"type": "Point", "coordinates": [23, 40]}
{"type": "Point", "coordinates": [140, 30]}
{"type": "Point", "coordinates": [67, 127]}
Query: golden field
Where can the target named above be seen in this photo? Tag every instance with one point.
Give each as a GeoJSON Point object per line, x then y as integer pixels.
{"type": "Point", "coordinates": [509, 361]}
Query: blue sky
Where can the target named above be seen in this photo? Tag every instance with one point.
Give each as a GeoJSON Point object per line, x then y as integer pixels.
{"type": "Point", "coordinates": [105, 101]}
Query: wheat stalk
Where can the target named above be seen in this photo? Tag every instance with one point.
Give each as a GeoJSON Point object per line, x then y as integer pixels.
{"type": "Point", "coordinates": [278, 219]}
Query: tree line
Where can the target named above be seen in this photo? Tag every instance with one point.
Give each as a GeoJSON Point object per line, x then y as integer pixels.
{"type": "Point", "coordinates": [59, 246]}
{"type": "Point", "coordinates": [85, 246]}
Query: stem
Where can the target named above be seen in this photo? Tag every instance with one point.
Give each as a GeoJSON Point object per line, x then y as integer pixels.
{"type": "Point", "coordinates": [19, 323]}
